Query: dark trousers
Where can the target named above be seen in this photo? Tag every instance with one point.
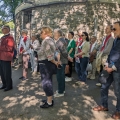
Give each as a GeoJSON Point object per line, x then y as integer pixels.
{"type": "Point", "coordinates": [70, 69]}
{"type": "Point", "coordinates": [114, 76]}
{"type": "Point", "coordinates": [77, 69]}
{"type": "Point", "coordinates": [5, 69]}
{"type": "Point", "coordinates": [47, 69]}
{"type": "Point", "coordinates": [61, 79]}
{"type": "Point", "coordinates": [83, 66]}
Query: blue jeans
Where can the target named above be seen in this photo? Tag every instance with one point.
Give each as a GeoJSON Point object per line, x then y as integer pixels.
{"type": "Point", "coordinates": [114, 76]}
{"type": "Point", "coordinates": [83, 66]}
{"type": "Point", "coordinates": [61, 79]}
{"type": "Point", "coordinates": [77, 69]}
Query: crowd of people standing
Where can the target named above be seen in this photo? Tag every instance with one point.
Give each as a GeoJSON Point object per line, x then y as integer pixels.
{"type": "Point", "coordinates": [57, 54]}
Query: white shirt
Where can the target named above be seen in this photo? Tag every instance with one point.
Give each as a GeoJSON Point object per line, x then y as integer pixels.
{"type": "Point", "coordinates": [36, 46]}
{"type": "Point", "coordinates": [24, 45]}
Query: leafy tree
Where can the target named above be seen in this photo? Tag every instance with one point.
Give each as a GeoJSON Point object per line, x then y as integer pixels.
{"type": "Point", "coordinates": [7, 9]}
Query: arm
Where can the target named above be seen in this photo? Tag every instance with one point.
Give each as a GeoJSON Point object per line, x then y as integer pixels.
{"type": "Point", "coordinates": [8, 47]}
{"type": "Point", "coordinates": [73, 45]}
{"type": "Point", "coordinates": [27, 46]}
{"type": "Point", "coordinates": [85, 49]}
{"type": "Point", "coordinates": [48, 51]}
{"type": "Point", "coordinates": [62, 49]}
{"type": "Point", "coordinates": [36, 45]}
{"type": "Point", "coordinates": [108, 47]}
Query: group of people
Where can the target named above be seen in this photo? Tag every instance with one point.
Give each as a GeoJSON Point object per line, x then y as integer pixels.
{"type": "Point", "coordinates": [57, 54]}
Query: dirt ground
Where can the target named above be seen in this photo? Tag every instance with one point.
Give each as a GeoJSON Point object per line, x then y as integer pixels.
{"type": "Point", "coordinates": [22, 103]}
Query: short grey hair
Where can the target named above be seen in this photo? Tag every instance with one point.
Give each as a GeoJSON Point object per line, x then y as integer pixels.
{"type": "Point", "coordinates": [24, 31]}
{"type": "Point", "coordinates": [34, 35]}
{"type": "Point", "coordinates": [59, 31]}
{"type": "Point", "coordinates": [93, 36]}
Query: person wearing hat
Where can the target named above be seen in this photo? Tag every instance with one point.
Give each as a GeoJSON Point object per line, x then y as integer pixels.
{"type": "Point", "coordinates": [6, 56]}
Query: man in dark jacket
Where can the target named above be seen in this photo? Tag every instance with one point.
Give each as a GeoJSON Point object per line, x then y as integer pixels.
{"type": "Point", "coordinates": [112, 67]}
{"type": "Point", "coordinates": [6, 56]}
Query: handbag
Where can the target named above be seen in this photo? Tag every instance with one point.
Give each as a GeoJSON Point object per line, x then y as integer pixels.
{"type": "Point", "coordinates": [103, 77]}
{"type": "Point", "coordinates": [67, 69]}
{"type": "Point", "coordinates": [89, 67]}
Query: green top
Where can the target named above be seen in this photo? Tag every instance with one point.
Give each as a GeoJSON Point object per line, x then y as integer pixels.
{"type": "Point", "coordinates": [71, 44]}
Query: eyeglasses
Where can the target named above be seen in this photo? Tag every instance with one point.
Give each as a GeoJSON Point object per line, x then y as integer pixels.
{"type": "Point", "coordinates": [114, 29]}
{"type": "Point", "coordinates": [82, 35]}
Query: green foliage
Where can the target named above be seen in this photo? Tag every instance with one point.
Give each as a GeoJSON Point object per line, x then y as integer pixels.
{"type": "Point", "coordinates": [7, 9]}
{"type": "Point", "coordinates": [11, 24]}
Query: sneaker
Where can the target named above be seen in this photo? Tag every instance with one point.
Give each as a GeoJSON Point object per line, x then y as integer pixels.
{"type": "Point", "coordinates": [67, 79]}
{"type": "Point", "coordinates": [24, 79]}
{"type": "Point", "coordinates": [34, 74]}
{"type": "Point", "coordinates": [21, 77]}
{"type": "Point", "coordinates": [17, 66]}
{"type": "Point", "coordinates": [57, 91]}
{"type": "Point", "coordinates": [92, 77]}
{"type": "Point", "coordinates": [45, 105]}
{"type": "Point", "coordinates": [78, 82]}
{"type": "Point", "coordinates": [46, 101]}
{"type": "Point", "coordinates": [58, 95]}
{"type": "Point", "coordinates": [88, 76]}
{"type": "Point", "coordinates": [99, 84]}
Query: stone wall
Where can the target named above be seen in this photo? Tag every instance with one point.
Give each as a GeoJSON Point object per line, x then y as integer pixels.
{"type": "Point", "coordinates": [88, 16]}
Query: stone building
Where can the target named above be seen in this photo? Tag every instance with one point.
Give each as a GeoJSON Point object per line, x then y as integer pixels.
{"type": "Point", "coordinates": [88, 15]}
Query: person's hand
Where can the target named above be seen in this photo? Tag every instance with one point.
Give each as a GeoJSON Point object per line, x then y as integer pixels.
{"type": "Point", "coordinates": [75, 55]}
{"type": "Point", "coordinates": [22, 51]}
{"type": "Point", "coordinates": [59, 62]}
{"type": "Point", "coordinates": [31, 46]}
{"type": "Point", "coordinates": [56, 63]}
{"type": "Point", "coordinates": [70, 59]}
{"type": "Point", "coordinates": [109, 70]}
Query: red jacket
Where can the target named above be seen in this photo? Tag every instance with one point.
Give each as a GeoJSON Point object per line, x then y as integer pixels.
{"type": "Point", "coordinates": [6, 48]}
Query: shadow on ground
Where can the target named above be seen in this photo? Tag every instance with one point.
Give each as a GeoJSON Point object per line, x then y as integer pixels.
{"type": "Point", "coordinates": [22, 103]}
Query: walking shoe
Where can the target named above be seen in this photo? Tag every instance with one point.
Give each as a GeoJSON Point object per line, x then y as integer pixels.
{"type": "Point", "coordinates": [116, 115]}
{"type": "Point", "coordinates": [58, 95]}
{"type": "Point", "coordinates": [34, 74]}
{"type": "Point", "coordinates": [17, 66]}
{"type": "Point", "coordinates": [57, 91]}
{"type": "Point", "coordinates": [67, 79]}
{"type": "Point", "coordinates": [92, 77]}
{"type": "Point", "coordinates": [21, 77]}
{"type": "Point", "coordinates": [100, 108]}
{"type": "Point", "coordinates": [45, 105]}
{"type": "Point", "coordinates": [88, 76]}
{"type": "Point", "coordinates": [2, 87]}
{"type": "Point", "coordinates": [7, 89]}
{"type": "Point", "coordinates": [24, 79]}
{"type": "Point", "coordinates": [98, 84]}
{"type": "Point", "coordinates": [78, 82]}
{"type": "Point", "coordinates": [46, 101]}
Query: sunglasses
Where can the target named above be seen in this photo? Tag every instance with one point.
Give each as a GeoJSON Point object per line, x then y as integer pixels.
{"type": "Point", "coordinates": [114, 29]}
{"type": "Point", "coordinates": [82, 35]}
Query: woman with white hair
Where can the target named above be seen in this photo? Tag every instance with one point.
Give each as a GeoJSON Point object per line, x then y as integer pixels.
{"type": "Point", "coordinates": [24, 51]}
{"type": "Point", "coordinates": [35, 45]}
